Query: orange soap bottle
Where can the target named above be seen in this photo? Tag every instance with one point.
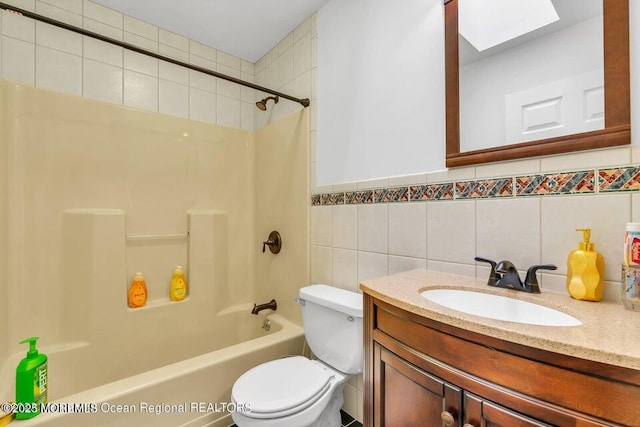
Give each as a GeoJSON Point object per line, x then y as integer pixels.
{"type": "Point", "coordinates": [585, 270]}
{"type": "Point", "coordinates": [138, 292]}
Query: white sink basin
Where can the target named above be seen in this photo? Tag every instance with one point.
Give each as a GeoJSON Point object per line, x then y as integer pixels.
{"type": "Point", "coordinates": [499, 307]}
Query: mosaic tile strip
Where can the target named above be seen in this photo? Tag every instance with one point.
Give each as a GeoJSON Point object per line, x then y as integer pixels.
{"type": "Point", "coordinates": [335, 199]}
{"type": "Point", "coordinates": [612, 179]}
{"type": "Point", "coordinates": [502, 187]}
{"type": "Point", "coordinates": [580, 182]}
{"type": "Point", "coordinates": [431, 192]}
{"type": "Point", "coordinates": [395, 194]}
{"type": "Point", "coordinates": [359, 197]}
{"type": "Point", "coordinates": [619, 179]}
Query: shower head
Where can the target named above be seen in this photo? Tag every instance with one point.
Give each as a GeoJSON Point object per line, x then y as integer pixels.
{"type": "Point", "coordinates": [262, 105]}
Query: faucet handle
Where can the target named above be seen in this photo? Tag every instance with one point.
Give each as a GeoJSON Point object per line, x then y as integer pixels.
{"type": "Point", "coordinates": [274, 242]}
{"type": "Point", "coordinates": [489, 261]}
{"type": "Point", "coordinates": [531, 278]}
{"type": "Point", "coordinates": [493, 276]}
{"type": "Point", "coordinates": [531, 281]}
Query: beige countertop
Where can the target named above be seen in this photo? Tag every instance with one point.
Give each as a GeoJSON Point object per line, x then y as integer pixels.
{"type": "Point", "coordinates": [609, 333]}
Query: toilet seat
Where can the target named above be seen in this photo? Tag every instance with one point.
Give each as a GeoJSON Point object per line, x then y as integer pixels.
{"type": "Point", "coordinates": [282, 387]}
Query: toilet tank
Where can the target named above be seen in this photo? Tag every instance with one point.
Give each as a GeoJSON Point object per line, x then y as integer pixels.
{"type": "Point", "coordinates": [332, 320]}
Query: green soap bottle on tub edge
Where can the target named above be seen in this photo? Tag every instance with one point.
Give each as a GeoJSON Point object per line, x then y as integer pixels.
{"type": "Point", "coordinates": [31, 382]}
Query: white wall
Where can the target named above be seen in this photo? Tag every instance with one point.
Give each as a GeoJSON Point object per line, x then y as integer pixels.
{"type": "Point", "coordinates": [380, 89]}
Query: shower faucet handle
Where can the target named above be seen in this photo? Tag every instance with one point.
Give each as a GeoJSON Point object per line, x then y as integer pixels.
{"type": "Point", "coordinates": [274, 242]}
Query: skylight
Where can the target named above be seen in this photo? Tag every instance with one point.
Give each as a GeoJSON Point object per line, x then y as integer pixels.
{"type": "Point", "coordinates": [487, 23]}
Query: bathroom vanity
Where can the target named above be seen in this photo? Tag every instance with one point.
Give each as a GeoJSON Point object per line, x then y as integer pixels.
{"type": "Point", "coordinates": [428, 365]}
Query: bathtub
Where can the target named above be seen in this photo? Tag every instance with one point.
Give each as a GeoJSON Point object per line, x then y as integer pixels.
{"type": "Point", "coordinates": [192, 392]}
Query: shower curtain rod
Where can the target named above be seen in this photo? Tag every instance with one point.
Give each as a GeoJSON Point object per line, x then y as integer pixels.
{"type": "Point", "coordinates": [304, 102]}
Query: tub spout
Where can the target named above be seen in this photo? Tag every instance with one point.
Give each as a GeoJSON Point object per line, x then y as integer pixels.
{"type": "Point", "coordinates": [258, 308]}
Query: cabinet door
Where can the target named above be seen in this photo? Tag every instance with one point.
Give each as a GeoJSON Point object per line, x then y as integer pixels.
{"type": "Point", "coordinates": [481, 413]}
{"type": "Point", "coordinates": [406, 396]}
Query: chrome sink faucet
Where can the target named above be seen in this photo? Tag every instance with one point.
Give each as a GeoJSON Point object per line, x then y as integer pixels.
{"type": "Point", "coordinates": [505, 275]}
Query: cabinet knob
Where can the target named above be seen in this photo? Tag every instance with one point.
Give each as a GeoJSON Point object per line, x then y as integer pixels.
{"type": "Point", "coordinates": [468, 425]}
{"type": "Point", "coordinates": [447, 418]}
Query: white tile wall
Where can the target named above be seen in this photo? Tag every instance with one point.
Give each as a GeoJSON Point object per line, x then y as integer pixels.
{"type": "Point", "coordinates": [69, 12]}
{"type": "Point", "coordinates": [288, 68]}
{"type": "Point", "coordinates": [203, 105]}
{"type": "Point", "coordinates": [322, 226]}
{"type": "Point", "coordinates": [561, 216]}
{"type": "Point", "coordinates": [586, 159]}
{"type": "Point", "coordinates": [140, 91]}
{"type": "Point", "coordinates": [173, 98]}
{"type": "Point", "coordinates": [525, 230]}
{"type": "Point", "coordinates": [509, 229]}
{"type": "Point", "coordinates": [45, 56]}
{"type": "Point", "coordinates": [345, 269]}
{"type": "Point", "coordinates": [59, 71]}
{"type": "Point", "coordinates": [18, 60]}
{"type": "Point", "coordinates": [373, 228]}
{"type": "Point", "coordinates": [407, 228]}
{"type": "Point", "coordinates": [399, 264]}
{"type": "Point", "coordinates": [98, 50]}
{"type": "Point", "coordinates": [451, 231]}
{"type": "Point", "coordinates": [102, 82]}
{"type": "Point", "coordinates": [345, 226]}
{"type": "Point", "coordinates": [321, 264]}
{"type": "Point", "coordinates": [372, 265]}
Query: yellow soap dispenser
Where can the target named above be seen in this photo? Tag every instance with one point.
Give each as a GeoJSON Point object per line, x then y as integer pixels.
{"type": "Point", "coordinates": [178, 287]}
{"type": "Point", "coordinates": [585, 270]}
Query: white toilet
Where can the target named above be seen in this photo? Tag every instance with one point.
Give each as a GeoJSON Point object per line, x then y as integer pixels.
{"type": "Point", "coordinates": [296, 391]}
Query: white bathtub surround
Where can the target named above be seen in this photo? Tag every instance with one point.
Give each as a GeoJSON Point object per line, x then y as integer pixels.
{"type": "Point", "coordinates": [93, 192]}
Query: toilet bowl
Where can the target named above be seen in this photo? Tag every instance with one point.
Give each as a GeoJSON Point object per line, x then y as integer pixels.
{"type": "Point", "coordinates": [289, 392]}
{"type": "Point", "coordinates": [299, 392]}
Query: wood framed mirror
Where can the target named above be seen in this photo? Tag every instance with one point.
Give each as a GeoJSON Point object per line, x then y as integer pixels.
{"type": "Point", "coordinates": [615, 131]}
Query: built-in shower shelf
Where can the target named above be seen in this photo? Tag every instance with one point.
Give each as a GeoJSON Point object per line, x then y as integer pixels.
{"type": "Point", "coordinates": [151, 237]}
{"type": "Point", "coordinates": [164, 302]}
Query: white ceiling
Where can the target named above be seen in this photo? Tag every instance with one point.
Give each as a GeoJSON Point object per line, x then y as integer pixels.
{"type": "Point", "coordinates": [244, 28]}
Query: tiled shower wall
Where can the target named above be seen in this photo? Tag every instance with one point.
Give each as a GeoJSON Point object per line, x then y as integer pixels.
{"type": "Point", "coordinates": [47, 57]}
{"type": "Point", "coordinates": [290, 67]}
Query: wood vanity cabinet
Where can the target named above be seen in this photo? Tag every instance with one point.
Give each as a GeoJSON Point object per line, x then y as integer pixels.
{"type": "Point", "coordinates": [419, 372]}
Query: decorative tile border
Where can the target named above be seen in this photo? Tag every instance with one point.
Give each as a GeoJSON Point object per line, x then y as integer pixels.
{"type": "Point", "coordinates": [501, 187]}
{"type": "Point", "coordinates": [556, 183]}
{"type": "Point", "coordinates": [431, 192]}
{"type": "Point", "coordinates": [395, 194]}
{"type": "Point", "coordinates": [359, 197]}
{"type": "Point", "coordinates": [591, 181]}
{"type": "Point", "coordinates": [619, 179]}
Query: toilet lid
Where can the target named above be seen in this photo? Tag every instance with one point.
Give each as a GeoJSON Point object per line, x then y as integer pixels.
{"type": "Point", "coordinates": [281, 384]}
